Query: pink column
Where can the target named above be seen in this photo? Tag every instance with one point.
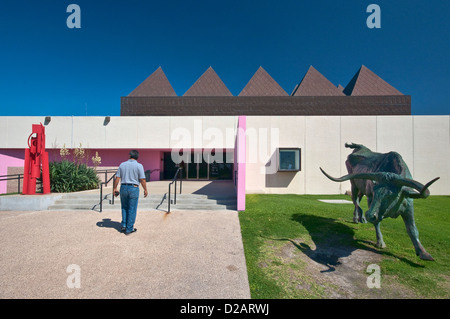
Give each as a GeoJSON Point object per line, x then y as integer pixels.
{"type": "Point", "coordinates": [240, 162]}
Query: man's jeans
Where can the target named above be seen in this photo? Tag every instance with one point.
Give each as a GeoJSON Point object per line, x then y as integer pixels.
{"type": "Point", "coordinates": [129, 196]}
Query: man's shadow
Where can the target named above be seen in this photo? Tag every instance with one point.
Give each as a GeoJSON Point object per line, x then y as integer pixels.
{"type": "Point", "coordinates": [108, 223]}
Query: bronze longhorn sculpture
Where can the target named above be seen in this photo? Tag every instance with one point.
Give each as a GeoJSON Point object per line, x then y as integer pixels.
{"type": "Point", "coordinates": [388, 185]}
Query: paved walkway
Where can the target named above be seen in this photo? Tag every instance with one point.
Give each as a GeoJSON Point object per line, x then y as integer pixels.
{"type": "Point", "coordinates": [184, 254]}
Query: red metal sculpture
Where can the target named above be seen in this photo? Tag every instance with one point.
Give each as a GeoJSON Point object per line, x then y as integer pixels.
{"type": "Point", "coordinates": [36, 158]}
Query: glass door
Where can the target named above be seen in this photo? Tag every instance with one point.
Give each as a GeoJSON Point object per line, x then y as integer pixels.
{"type": "Point", "coordinates": [203, 169]}
{"type": "Point", "coordinates": [198, 168]}
{"type": "Point", "coordinates": [170, 167]}
{"type": "Point", "coordinates": [192, 171]}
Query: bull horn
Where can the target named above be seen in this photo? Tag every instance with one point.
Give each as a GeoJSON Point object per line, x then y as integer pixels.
{"type": "Point", "coordinates": [422, 189]}
{"type": "Point", "coordinates": [371, 176]}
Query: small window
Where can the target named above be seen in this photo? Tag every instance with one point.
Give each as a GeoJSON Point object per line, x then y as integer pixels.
{"type": "Point", "coordinates": [289, 160]}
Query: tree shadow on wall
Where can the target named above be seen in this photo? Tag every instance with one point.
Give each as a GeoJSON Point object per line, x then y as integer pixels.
{"type": "Point", "coordinates": [273, 177]}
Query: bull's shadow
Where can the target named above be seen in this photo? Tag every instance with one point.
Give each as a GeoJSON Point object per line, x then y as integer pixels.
{"type": "Point", "coordinates": [333, 240]}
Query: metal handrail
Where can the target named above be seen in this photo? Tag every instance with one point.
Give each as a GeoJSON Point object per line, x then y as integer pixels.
{"type": "Point", "coordinates": [101, 191]}
{"type": "Point", "coordinates": [174, 180]}
{"type": "Point", "coordinates": [106, 172]}
{"type": "Point", "coordinates": [12, 177]}
{"type": "Point", "coordinates": [20, 176]}
{"type": "Point", "coordinates": [17, 177]}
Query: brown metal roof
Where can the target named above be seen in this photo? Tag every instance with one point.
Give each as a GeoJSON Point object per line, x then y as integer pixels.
{"type": "Point", "coordinates": [156, 84]}
{"type": "Point", "coordinates": [315, 84]}
{"type": "Point", "coordinates": [366, 94]}
{"type": "Point", "coordinates": [365, 82]}
{"type": "Point", "coordinates": [262, 84]}
{"type": "Point", "coordinates": [266, 105]}
{"type": "Point", "coordinates": [209, 84]}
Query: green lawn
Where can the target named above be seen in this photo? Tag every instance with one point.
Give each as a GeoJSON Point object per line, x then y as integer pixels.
{"type": "Point", "coordinates": [286, 236]}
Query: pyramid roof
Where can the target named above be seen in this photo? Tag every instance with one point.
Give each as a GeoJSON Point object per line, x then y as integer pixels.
{"type": "Point", "coordinates": [262, 84]}
{"type": "Point", "coordinates": [156, 84]}
{"type": "Point", "coordinates": [365, 82]}
{"type": "Point", "coordinates": [315, 84]}
{"type": "Point", "coordinates": [209, 84]}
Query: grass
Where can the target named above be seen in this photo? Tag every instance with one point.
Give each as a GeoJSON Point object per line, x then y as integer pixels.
{"type": "Point", "coordinates": [283, 233]}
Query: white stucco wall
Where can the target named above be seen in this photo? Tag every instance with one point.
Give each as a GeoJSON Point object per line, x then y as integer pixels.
{"type": "Point", "coordinates": [423, 142]}
{"type": "Point", "coordinates": [121, 131]}
{"type": "Point", "coordinates": [431, 151]}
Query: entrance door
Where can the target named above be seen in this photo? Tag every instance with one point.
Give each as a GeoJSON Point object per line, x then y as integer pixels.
{"type": "Point", "coordinates": [220, 171]}
{"type": "Point", "coordinates": [198, 168]}
{"type": "Point", "coordinates": [170, 168]}
{"type": "Point", "coordinates": [203, 172]}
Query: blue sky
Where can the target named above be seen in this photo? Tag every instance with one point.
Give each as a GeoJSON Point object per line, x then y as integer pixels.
{"type": "Point", "coordinates": [49, 69]}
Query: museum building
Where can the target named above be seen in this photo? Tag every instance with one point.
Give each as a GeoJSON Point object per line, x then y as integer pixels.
{"type": "Point", "coordinates": [264, 140]}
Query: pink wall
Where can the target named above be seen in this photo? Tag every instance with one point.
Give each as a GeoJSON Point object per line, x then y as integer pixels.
{"type": "Point", "coordinates": [240, 163]}
{"type": "Point", "coordinates": [9, 158]}
{"type": "Point", "coordinates": [150, 159]}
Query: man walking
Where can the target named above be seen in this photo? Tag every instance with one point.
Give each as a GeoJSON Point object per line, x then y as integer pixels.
{"type": "Point", "coordinates": [130, 174]}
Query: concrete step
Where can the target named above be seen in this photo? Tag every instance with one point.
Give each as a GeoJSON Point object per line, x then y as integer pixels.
{"type": "Point", "coordinates": [144, 207]}
{"type": "Point", "coordinates": [96, 197]}
{"type": "Point", "coordinates": [90, 201]}
{"type": "Point", "coordinates": [146, 201]}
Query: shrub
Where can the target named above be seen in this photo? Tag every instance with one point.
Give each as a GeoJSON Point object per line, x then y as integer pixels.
{"type": "Point", "coordinates": [67, 177]}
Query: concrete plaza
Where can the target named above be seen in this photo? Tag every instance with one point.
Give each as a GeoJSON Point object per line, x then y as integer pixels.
{"type": "Point", "coordinates": [184, 254]}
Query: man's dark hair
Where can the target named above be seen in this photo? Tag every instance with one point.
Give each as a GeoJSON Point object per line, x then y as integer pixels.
{"type": "Point", "coordinates": [134, 154]}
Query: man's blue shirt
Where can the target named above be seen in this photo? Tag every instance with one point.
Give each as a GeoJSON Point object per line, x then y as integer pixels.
{"type": "Point", "coordinates": [130, 172]}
